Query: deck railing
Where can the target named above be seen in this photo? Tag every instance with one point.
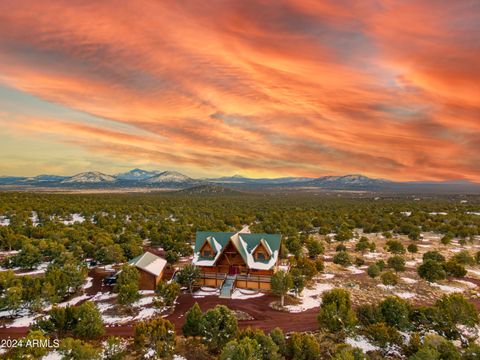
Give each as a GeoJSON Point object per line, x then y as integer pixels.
{"type": "Point", "coordinates": [256, 278]}
{"type": "Point", "coordinates": [213, 275]}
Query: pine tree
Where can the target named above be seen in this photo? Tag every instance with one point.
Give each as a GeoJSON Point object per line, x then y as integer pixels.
{"type": "Point", "coordinates": [193, 317]}
{"type": "Point", "coordinates": [218, 326]}
{"type": "Point", "coordinates": [88, 321]}
{"type": "Point", "coordinates": [127, 285]}
{"type": "Point", "coordinates": [281, 283]}
{"type": "Point", "coordinates": [336, 312]}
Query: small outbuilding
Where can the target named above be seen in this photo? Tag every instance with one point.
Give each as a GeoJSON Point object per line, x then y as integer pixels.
{"type": "Point", "coordinates": [151, 269]}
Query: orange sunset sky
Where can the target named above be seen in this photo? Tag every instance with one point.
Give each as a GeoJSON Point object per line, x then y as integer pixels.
{"type": "Point", "coordinates": [262, 88]}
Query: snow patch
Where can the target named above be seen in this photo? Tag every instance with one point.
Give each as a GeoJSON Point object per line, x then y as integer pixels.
{"type": "Point", "coordinates": [41, 269]}
{"type": "Point", "coordinates": [206, 291]}
{"type": "Point", "coordinates": [74, 218]}
{"type": "Point", "coordinates": [386, 287]}
{"type": "Point", "coordinates": [310, 298]}
{"type": "Point", "coordinates": [362, 343]}
{"type": "Point", "coordinates": [4, 221]}
{"type": "Point", "coordinates": [327, 276]}
{"type": "Point", "coordinates": [469, 284]}
{"type": "Point", "coordinates": [355, 270]}
{"type": "Point", "coordinates": [405, 295]}
{"type": "Point", "coordinates": [373, 255]}
{"type": "Point", "coordinates": [447, 288]}
{"type": "Point", "coordinates": [245, 294]}
{"type": "Point", "coordinates": [53, 355]}
{"type": "Point", "coordinates": [89, 283]}
{"type": "Point", "coordinates": [474, 272]}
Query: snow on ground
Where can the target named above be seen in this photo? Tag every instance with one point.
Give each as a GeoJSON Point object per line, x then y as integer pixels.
{"type": "Point", "coordinates": [469, 284]}
{"type": "Point", "coordinates": [470, 332]}
{"type": "Point", "coordinates": [355, 270]}
{"type": "Point", "coordinates": [146, 292]}
{"type": "Point", "coordinates": [327, 257]}
{"type": "Point", "coordinates": [206, 291]}
{"type": "Point", "coordinates": [474, 272]}
{"type": "Point", "coordinates": [24, 318]}
{"type": "Point", "coordinates": [473, 213]}
{"type": "Point", "coordinates": [386, 287]}
{"type": "Point", "coordinates": [144, 313]}
{"type": "Point", "coordinates": [53, 355]}
{"type": "Point", "coordinates": [89, 283]}
{"type": "Point", "coordinates": [103, 296]}
{"type": "Point", "coordinates": [39, 270]}
{"type": "Point", "coordinates": [104, 306]}
{"type": "Point", "coordinates": [447, 288]}
{"type": "Point", "coordinates": [405, 295]}
{"type": "Point", "coordinates": [74, 218]}
{"type": "Point", "coordinates": [178, 357]}
{"type": "Point", "coordinates": [406, 213]}
{"type": "Point", "coordinates": [413, 263]}
{"type": "Point", "coordinates": [283, 267]}
{"type": "Point", "coordinates": [74, 301]}
{"type": "Point", "coordinates": [245, 294]}
{"type": "Point", "coordinates": [144, 301]}
{"type": "Point", "coordinates": [34, 218]}
{"type": "Point", "coordinates": [112, 267]}
{"type": "Point", "coordinates": [4, 221]}
{"type": "Point", "coordinates": [310, 298]}
{"type": "Point", "coordinates": [409, 280]}
{"type": "Point", "coordinates": [373, 255]}
{"type": "Point", "coordinates": [362, 343]}
{"type": "Point", "coordinates": [8, 253]}
{"type": "Point", "coordinates": [327, 276]}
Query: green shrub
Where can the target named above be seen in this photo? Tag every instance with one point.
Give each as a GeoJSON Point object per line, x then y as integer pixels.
{"type": "Point", "coordinates": [373, 271]}
{"type": "Point", "coordinates": [342, 258]}
{"type": "Point", "coordinates": [389, 278]}
{"type": "Point", "coordinates": [395, 312]}
{"type": "Point", "coordinates": [431, 270]}
{"type": "Point", "coordinates": [382, 334]}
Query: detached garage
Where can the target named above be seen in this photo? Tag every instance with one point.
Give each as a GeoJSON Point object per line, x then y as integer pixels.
{"type": "Point", "coordinates": [151, 269]}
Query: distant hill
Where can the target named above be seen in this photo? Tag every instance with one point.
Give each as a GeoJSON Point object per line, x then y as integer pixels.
{"type": "Point", "coordinates": [347, 182]}
{"type": "Point", "coordinates": [208, 189]}
{"type": "Point", "coordinates": [138, 178]}
{"type": "Point", "coordinates": [238, 179]}
{"type": "Point", "coordinates": [90, 177]}
{"type": "Point", "coordinates": [136, 174]}
{"type": "Point", "coordinates": [11, 179]}
{"type": "Point", "coordinates": [171, 179]}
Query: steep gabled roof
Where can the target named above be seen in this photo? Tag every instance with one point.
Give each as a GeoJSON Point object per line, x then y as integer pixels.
{"type": "Point", "coordinates": [265, 246]}
{"type": "Point", "coordinates": [245, 243]}
{"type": "Point", "coordinates": [210, 240]}
{"type": "Point", "coordinates": [150, 263]}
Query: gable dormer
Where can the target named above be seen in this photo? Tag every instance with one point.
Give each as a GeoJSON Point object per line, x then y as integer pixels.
{"type": "Point", "coordinates": [207, 250]}
{"type": "Point", "coordinates": [262, 251]}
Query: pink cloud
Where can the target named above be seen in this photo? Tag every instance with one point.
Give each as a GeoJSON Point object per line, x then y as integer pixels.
{"type": "Point", "coordinates": [384, 88]}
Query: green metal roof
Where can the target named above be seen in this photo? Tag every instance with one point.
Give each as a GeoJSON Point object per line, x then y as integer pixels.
{"type": "Point", "coordinates": [246, 244]}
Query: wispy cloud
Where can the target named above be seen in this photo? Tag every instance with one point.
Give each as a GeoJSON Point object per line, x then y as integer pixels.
{"type": "Point", "coordinates": [385, 88]}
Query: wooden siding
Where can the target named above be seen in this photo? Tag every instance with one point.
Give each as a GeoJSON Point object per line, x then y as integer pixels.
{"type": "Point", "coordinates": [148, 281]}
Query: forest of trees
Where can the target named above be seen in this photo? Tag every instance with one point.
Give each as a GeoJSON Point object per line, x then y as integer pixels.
{"type": "Point", "coordinates": [115, 228]}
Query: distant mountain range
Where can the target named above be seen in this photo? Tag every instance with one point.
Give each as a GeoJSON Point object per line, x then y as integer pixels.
{"type": "Point", "coordinates": [138, 178]}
